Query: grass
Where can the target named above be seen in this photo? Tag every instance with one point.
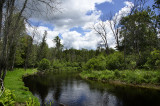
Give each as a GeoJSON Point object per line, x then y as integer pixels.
{"type": "Point", "coordinates": [141, 78]}
{"type": "Point", "coordinates": [13, 81]}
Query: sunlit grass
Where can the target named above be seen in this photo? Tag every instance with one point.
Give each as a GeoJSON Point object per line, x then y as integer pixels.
{"type": "Point", "coordinates": [13, 81]}
{"type": "Point", "coordinates": [127, 76]}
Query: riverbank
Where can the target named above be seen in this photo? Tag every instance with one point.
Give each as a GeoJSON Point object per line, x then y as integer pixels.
{"type": "Point", "coordinates": [137, 78]}
{"type": "Point", "coordinates": [14, 82]}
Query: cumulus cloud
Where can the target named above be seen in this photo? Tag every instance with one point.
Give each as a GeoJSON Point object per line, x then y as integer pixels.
{"type": "Point", "coordinates": [77, 41]}
{"type": "Point", "coordinates": [124, 11]}
{"type": "Point", "coordinates": [110, 37]}
{"type": "Point", "coordinates": [39, 32]}
{"type": "Point", "coordinates": [71, 13]}
{"type": "Point", "coordinates": [75, 15]}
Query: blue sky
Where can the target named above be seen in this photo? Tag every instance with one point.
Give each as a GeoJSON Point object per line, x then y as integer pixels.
{"type": "Point", "coordinates": [74, 22]}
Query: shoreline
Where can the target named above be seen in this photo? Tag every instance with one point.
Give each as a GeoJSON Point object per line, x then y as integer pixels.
{"type": "Point", "coordinates": [122, 83]}
{"type": "Point", "coordinates": [14, 82]}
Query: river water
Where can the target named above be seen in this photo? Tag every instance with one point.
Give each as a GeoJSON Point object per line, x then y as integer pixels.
{"type": "Point", "coordinates": [68, 89]}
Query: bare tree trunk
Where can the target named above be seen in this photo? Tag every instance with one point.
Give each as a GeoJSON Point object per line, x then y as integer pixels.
{"type": "Point", "coordinates": [9, 9]}
{"type": "Point", "coordinates": [102, 31]}
{"type": "Point", "coordinates": [107, 48]}
{"type": "Point", "coordinates": [4, 58]}
{"type": "Point", "coordinates": [1, 16]}
{"type": "Point", "coordinates": [114, 25]}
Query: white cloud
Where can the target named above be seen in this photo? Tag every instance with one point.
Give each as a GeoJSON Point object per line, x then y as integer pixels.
{"type": "Point", "coordinates": [40, 32]}
{"type": "Point", "coordinates": [125, 10]}
{"type": "Point", "coordinates": [74, 14]}
{"type": "Point", "coordinates": [76, 40]}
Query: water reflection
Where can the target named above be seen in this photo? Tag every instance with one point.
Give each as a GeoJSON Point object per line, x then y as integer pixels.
{"type": "Point", "coordinates": [69, 89]}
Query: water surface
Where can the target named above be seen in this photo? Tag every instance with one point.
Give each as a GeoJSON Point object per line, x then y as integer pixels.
{"type": "Point", "coordinates": [70, 90]}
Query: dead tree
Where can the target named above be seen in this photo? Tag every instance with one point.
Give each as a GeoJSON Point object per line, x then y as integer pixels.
{"type": "Point", "coordinates": [114, 26]}
{"type": "Point", "coordinates": [100, 29]}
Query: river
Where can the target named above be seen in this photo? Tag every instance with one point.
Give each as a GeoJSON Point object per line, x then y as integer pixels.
{"type": "Point", "coordinates": [69, 89]}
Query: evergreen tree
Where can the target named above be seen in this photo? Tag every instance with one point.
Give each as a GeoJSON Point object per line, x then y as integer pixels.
{"type": "Point", "coordinates": [43, 48]}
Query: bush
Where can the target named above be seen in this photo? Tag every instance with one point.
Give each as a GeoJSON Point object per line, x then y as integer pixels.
{"type": "Point", "coordinates": [31, 102]}
{"type": "Point", "coordinates": [57, 65]}
{"type": "Point", "coordinates": [65, 66]}
{"type": "Point", "coordinates": [115, 61]}
{"type": "Point", "coordinates": [98, 63]}
{"type": "Point", "coordinates": [153, 62]}
{"type": "Point", "coordinates": [117, 73]}
{"type": "Point", "coordinates": [7, 99]}
{"type": "Point", "coordinates": [44, 64]}
{"type": "Point", "coordinates": [128, 76]}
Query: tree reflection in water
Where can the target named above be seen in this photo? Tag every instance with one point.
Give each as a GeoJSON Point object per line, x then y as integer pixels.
{"type": "Point", "coordinates": [69, 89]}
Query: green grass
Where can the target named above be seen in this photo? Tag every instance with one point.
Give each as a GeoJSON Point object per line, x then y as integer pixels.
{"type": "Point", "coordinates": [13, 81]}
{"type": "Point", "coordinates": [127, 76]}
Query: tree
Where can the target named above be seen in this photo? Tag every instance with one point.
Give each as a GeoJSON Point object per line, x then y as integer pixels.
{"type": "Point", "coordinates": [114, 26]}
{"type": "Point", "coordinates": [156, 4]}
{"type": "Point", "coordinates": [100, 29]}
{"type": "Point", "coordinates": [2, 2]}
{"type": "Point", "coordinates": [43, 48]}
{"type": "Point", "coordinates": [139, 33]}
{"type": "Point", "coordinates": [59, 47]}
{"type": "Point", "coordinates": [44, 64]}
{"type": "Point", "coordinates": [13, 38]}
{"type": "Point", "coordinates": [27, 50]}
{"type": "Point", "coordinates": [7, 10]}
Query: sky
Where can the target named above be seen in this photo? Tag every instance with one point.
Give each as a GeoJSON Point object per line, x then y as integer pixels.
{"type": "Point", "coordinates": [74, 20]}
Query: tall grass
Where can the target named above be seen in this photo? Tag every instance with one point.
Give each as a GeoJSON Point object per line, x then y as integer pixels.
{"type": "Point", "coordinates": [14, 82]}
{"type": "Point", "coordinates": [127, 76]}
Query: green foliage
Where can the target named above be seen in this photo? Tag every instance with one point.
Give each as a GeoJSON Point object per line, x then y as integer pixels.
{"type": "Point", "coordinates": [24, 52]}
{"type": "Point", "coordinates": [66, 66]}
{"type": "Point", "coordinates": [131, 62]}
{"type": "Point", "coordinates": [115, 61]}
{"type": "Point", "coordinates": [58, 48]}
{"type": "Point", "coordinates": [32, 102]}
{"type": "Point", "coordinates": [153, 62]}
{"type": "Point", "coordinates": [44, 64]}
{"type": "Point", "coordinates": [43, 48]}
{"type": "Point", "coordinates": [117, 73]}
{"type": "Point", "coordinates": [139, 32]}
{"type": "Point", "coordinates": [8, 98]}
{"type": "Point", "coordinates": [98, 63]}
{"type": "Point", "coordinates": [111, 62]}
{"type": "Point", "coordinates": [19, 61]}
{"type": "Point", "coordinates": [156, 4]}
{"type": "Point", "coordinates": [57, 64]}
{"type": "Point", "coordinates": [127, 76]}
{"type": "Point", "coordinates": [14, 82]}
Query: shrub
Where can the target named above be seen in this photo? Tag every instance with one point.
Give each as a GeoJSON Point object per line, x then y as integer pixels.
{"type": "Point", "coordinates": [98, 63]}
{"type": "Point", "coordinates": [153, 62]}
{"type": "Point", "coordinates": [31, 102]}
{"type": "Point", "coordinates": [115, 61]}
{"type": "Point", "coordinates": [117, 73]}
{"type": "Point", "coordinates": [7, 99]}
{"type": "Point", "coordinates": [44, 64]}
{"type": "Point", "coordinates": [131, 62]}
{"type": "Point", "coordinates": [65, 66]}
{"type": "Point", "coordinates": [57, 65]}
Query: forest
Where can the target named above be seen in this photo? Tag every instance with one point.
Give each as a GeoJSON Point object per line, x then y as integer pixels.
{"type": "Point", "coordinates": [135, 60]}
